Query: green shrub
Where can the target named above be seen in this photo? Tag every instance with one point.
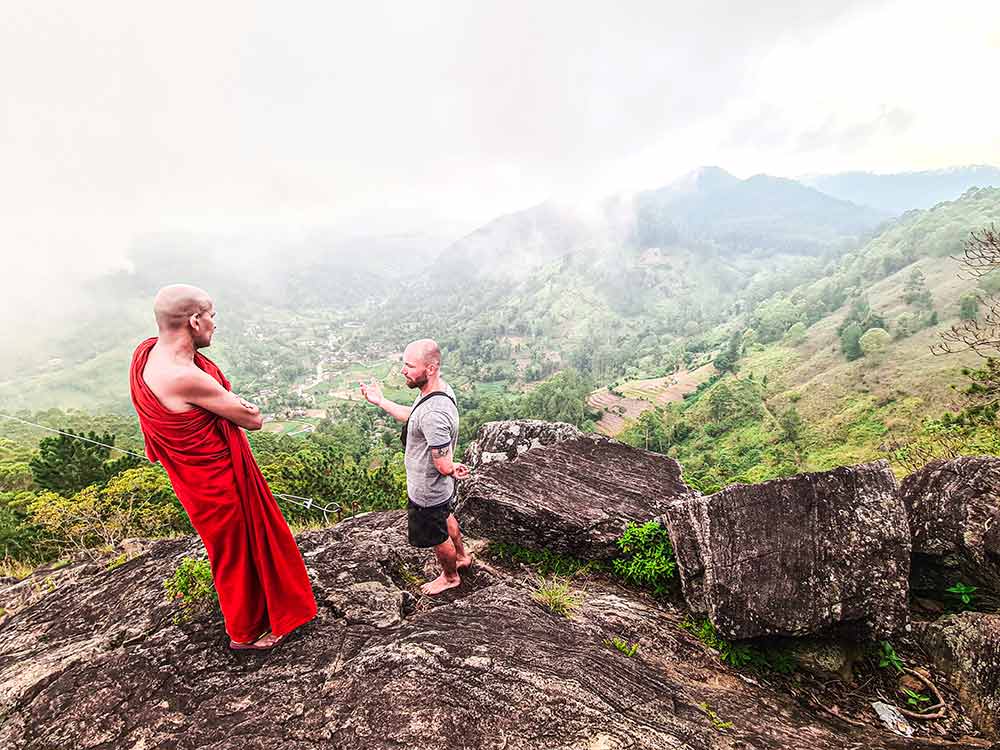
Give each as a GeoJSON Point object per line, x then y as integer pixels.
{"type": "Point", "coordinates": [135, 503]}
{"type": "Point", "coordinates": [191, 586]}
{"type": "Point", "coordinates": [19, 538]}
{"type": "Point", "coordinates": [963, 593]}
{"type": "Point", "coordinates": [740, 654]}
{"type": "Point", "coordinates": [649, 561]}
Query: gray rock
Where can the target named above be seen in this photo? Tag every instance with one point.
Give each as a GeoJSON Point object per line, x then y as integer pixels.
{"type": "Point", "coordinates": [797, 555]}
{"type": "Point", "coordinates": [574, 497]}
{"type": "Point", "coordinates": [892, 719]}
{"type": "Point", "coordinates": [966, 648]}
{"type": "Point", "coordinates": [826, 657]}
{"type": "Point", "coordinates": [954, 511]}
{"type": "Point", "coordinates": [505, 441]}
{"type": "Point", "coordinates": [99, 663]}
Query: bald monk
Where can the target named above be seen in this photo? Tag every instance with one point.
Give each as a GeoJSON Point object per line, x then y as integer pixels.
{"type": "Point", "coordinates": [430, 438]}
{"type": "Point", "coordinates": [191, 423]}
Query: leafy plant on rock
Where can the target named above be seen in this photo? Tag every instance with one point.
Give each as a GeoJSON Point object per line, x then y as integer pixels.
{"type": "Point", "coordinates": [192, 587]}
{"type": "Point", "coordinates": [629, 649]}
{"type": "Point", "coordinates": [649, 557]}
{"type": "Point", "coordinates": [888, 657]}
{"type": "Point", "coordinates": [963, 593]}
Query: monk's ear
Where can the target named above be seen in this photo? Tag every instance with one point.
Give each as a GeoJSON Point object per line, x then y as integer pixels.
{"type": "Point", "coordinates": [195, 321]}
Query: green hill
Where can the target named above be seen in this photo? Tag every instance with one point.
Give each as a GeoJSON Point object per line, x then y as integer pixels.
{"type": "Point", "coordinates": [797, 403]}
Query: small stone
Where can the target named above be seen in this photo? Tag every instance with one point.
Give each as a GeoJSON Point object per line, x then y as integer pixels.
{"type": "Point", "coordinates": [893, 720]}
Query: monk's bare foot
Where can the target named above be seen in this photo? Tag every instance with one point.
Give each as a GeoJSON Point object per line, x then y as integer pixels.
{"type": "Point", "coordinates": [268, 641]}
{"type": "Point", "coordinates": [463, 562]}
{"type": "Point", "coordinates": [439, 584]}
{"type": "Point", "coordinates": [264, 643]}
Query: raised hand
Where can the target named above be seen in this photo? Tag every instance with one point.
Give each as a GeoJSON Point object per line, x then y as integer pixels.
{"type": "Point", "coordinates": [372, 392]}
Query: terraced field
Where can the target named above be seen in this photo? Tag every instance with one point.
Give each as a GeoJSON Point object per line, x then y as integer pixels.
{"type": "Point", "coordinates": [639, 396]}
{"type": "Point", "coordinates": [616, 412]}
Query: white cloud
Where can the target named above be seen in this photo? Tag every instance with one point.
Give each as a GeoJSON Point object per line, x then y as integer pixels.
{"type": "Point", "coordinates": [121, 118]}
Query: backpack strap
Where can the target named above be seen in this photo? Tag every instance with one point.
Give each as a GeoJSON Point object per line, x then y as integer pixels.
{"type": "Point", "coordinates": [429, 396]}
{"type": "Point", "coordinates": [406, 425]}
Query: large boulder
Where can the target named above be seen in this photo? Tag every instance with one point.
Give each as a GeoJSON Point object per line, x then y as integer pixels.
{"type": "Point", "coordinates": [966, 648]}
{"type": "Point", "coordinates": [574, 496]}
{"type": "Point", "coordinates": [506, 440]}
{"type": "Point", "coordinates": [100, 663]}
{"type": "Point", "coordinates": [797, 555]}
{"type": "Point", "coordinates": [954, 511]}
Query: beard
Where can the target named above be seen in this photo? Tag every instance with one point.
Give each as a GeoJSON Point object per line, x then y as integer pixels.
{"type": "Point", "coordinates": [417, 382]}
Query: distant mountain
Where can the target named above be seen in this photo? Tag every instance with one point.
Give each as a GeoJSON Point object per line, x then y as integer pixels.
{"type": "Point", "coordinates": [897, 193]}
{"type": "Point", "coordinates": [761, 214]}
{"type": "Point", "coordinates": [708, 211]}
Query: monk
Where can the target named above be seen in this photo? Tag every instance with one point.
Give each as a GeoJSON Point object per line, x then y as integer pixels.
{"type": "Point", "coordinates": [191, 423]}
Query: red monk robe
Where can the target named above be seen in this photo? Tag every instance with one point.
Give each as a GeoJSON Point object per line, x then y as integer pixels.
{"type": "Point", "coordinates": [258, 571]}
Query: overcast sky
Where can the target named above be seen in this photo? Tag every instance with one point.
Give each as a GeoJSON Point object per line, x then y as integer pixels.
{"type": "Point", "coordinates": [121, 118]}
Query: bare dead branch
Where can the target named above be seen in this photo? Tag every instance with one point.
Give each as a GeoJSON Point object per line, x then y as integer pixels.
{"type": "Point", "coordinates": [981, 252]}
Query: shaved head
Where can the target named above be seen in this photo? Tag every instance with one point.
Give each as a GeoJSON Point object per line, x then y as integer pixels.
{"type": "Point", "coordinates": [424, 350]}
{"type": "Point", "coordinates": [175, 304]}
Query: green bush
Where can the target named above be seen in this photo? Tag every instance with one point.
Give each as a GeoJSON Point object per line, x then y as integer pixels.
{"type": "Point", "coordinates": [191, 586]}
{"type": "Point", "coordinates": [649, 558]}
{"type": "Point", "coordinates": [19, 538]}
{"type": "Point", "coordinates": [135, 503]}
{"type": "Point", "coordinates": [629, 649]}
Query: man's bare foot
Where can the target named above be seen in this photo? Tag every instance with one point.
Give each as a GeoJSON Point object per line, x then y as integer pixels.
{"type": "Point", "coordinates": [439, 584]}
{"type": "Point", "coordinates": [463, 562]}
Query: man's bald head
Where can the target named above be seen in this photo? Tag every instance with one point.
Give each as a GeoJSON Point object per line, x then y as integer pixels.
{"type": "Point", "coordinates": [421, 362]}
{"type": "Point", "coordinates": [426, 351]}
{"type": "Point", "coordinates": [186, 311]}
{"type": "Point", "coordinates": [175, 304]}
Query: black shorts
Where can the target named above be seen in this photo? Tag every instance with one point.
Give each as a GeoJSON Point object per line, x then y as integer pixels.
{"type": "Point", "coordinates": [428, 526]}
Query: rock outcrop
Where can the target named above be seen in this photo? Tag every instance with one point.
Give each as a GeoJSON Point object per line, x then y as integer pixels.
{"type": "Point", "coordinates": [99, 663]}
{"type": "Point", "coordinates": [966, 648]}
{"type": "Point", "coordinates": [574, 496]}
{"type": "Point", "coordinates": [93, 658]}
{"type": "Point", "coordinates": [954, 511]}
{"type": "Point", "coordinates": [798, 555]}
{"type": "Point", "coordinates": [506, 440]}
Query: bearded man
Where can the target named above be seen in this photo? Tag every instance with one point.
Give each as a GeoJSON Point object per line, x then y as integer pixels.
{"type": "Point", "coordinates": [430, 436]}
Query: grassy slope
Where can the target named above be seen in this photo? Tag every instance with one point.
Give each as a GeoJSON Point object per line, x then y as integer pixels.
{"type": "Point", "coordinates": [848, 408]}
{"type": "Point", "coordinates": [98, 384]}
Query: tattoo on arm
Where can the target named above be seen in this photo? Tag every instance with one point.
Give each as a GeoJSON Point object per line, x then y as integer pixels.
{"type": "Point", "coordinates": [441, 452]}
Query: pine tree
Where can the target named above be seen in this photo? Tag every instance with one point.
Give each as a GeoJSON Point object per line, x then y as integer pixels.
{"type": "Point", "coordinates": [66, 465]}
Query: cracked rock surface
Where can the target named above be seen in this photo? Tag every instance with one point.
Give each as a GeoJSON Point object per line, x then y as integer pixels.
{"type": "Point", "coordinates": [574, 496]}
{"type": "Point", "coordinates": [798, 555]}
